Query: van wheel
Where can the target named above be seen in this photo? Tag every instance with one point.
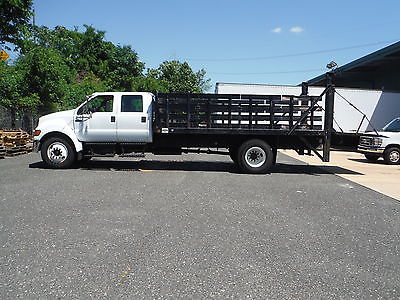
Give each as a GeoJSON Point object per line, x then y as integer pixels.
{"type": "Point", "coordinates": [58, 153]}
{"type": "Point", "coordinates": [371, 157]}
{"type": "Point", "coordinates": [392, 156]}
{"type": "Point", "coordinates": [255, 156]}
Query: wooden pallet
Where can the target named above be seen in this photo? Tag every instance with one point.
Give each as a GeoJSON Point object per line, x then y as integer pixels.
{"type": "Point", "coordinates": [15, 142]}
{"type": "Point", "coordinates": [10, 154]}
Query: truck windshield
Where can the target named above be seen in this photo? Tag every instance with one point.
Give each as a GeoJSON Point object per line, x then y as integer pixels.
{"type": "Point", "coordinates": [393, 126]}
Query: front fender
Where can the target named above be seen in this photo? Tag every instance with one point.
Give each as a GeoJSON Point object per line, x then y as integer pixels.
{"type": "Point", "coordinates": [54, 127]}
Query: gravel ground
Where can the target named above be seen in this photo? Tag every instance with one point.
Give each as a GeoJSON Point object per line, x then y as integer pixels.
{"type": "Point", "coordinates": [192, 227]}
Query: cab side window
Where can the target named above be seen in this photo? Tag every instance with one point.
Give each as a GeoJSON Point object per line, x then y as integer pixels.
{"type": "Point", "coordinates": [102, 103]}
{"type": "Point", "coordinates": [131, 103]}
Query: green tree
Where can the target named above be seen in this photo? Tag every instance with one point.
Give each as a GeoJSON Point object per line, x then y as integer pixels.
{"type": "Point", "coordinates": [148, 84]}
{"type": "Point", "coordinates": [47, 75]}
{"type": "Point", "coordinates": [180, 78]}
{"type": "Point", "coordinates": [15, 95]}
{"type": "Point", "coordinates": [123, 66]}
{"type": "Point", "coordinates": [59, 67]}
{"type": "Point", "coordinates": [14, 20]}
{"type": "Point", "coordinates": [76, 92]}
{"type": "Point", "coordinates": [89, 54]}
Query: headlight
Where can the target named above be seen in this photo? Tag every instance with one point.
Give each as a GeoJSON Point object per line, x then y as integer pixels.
{"type": "Point", "coordinates": [377, 142]}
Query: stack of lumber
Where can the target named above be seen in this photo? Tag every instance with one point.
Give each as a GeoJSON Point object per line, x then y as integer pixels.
{"type": "Point", "coordinates": [14, 142]}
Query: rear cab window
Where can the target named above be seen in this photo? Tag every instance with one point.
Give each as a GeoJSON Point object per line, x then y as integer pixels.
{"type": "Point", "coordinates": [131, 103]}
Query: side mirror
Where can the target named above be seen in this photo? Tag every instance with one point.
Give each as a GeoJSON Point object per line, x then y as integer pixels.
{"type": "Point", "coordinates": [83, 115]}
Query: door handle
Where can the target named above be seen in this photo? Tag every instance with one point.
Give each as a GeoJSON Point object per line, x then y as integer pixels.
{"type": "Point", "coordinates": [143, 119]}
{"type": "Point", "coordinates": [112, 118]}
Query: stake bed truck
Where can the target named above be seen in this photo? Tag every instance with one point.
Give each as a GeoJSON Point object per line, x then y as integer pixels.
{"type": "Point", "coordinates": [250, 128]}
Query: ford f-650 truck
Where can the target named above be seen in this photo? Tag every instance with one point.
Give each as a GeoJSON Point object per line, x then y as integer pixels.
{"type": "Point", "coordinates": [250, 127]}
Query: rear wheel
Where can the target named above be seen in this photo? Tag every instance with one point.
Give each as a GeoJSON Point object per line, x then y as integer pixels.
{"type": "Point", "coordinates": [255, 156]}
{"type": "Point", "coordinates": [371, 157]}
{"type": "Point", "coordinates": [392, 156]}
{"type": "Point", "coordinates": [58, 153]}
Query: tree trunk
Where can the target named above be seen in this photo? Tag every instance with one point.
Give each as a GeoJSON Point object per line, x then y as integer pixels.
{"type": "Point", "coordinates": [13, 114]}
{"type": "Point", "coordinates": [26, 123]}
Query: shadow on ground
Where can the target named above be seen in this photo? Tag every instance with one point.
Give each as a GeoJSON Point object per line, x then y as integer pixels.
{"type": "Point", "coordinates": [204, 166]}
{"type": "Point", "coordinates": [366, 161]}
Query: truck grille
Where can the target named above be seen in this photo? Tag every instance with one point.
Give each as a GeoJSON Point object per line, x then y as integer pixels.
{"type": "Point", "coordinates": [366, 141]}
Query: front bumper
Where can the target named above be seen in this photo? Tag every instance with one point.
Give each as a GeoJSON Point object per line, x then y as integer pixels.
{"type": "Point", "coordinates": [370, 150]}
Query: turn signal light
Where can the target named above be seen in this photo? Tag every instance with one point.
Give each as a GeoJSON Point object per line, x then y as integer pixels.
{"type": "Point", "coordinates": [37, 132]}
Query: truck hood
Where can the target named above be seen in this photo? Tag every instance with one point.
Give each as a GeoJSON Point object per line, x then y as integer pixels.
{"type": "Point", "coordinates": [67, 116]}
{"type": "Point", "coordinates": [386, 134]}
{"type": "Point", "coordinates": [389, 134]}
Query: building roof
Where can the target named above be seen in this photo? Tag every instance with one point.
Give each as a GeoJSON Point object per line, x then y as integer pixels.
{"type": "Point", "coordinates": [365, 68]}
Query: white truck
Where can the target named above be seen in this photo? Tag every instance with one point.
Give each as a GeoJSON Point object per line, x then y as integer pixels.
{"type": "Point", "coordinates": [386, 145]}
{"type": "Point", "coordinates": [250, 127]}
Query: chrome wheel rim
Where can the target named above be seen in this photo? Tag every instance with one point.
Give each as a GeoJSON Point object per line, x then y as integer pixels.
{"type": "Point", "coordinates": [255, 157]}
{"type": "Point", "coordinates": [57, 152]}
{"type": "Point", "coordinates": [394, 156]}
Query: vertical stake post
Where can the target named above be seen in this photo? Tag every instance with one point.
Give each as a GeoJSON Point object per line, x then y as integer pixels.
{"type": "Point", "coordinates": [328, 123]}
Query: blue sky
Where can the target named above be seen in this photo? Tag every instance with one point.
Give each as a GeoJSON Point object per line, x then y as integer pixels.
{"type": "Point", "coordinates": [237, 41]}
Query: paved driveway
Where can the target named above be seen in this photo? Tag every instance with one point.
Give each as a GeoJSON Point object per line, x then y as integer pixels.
{"type": "Point", "coordinates": [183, 228]}
{"type": "Point", "coordinates": [375, 175]}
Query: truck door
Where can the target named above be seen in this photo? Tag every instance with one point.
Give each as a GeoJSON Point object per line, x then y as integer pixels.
{"type": "Point", "coordinates": [134, 119]}
{"type": "Point", "coordinates": [95, 121]}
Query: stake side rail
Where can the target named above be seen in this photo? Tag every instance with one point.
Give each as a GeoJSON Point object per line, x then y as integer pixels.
{"type": "Point", "coordinates": [238, 114]}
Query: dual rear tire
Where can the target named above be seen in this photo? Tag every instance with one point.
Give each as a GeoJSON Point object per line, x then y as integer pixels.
{"type": "Point", "coordinates": [253, 156]}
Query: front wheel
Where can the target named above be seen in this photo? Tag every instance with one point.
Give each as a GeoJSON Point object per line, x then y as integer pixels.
{"type": "Point", "coordinates": [58, 153]}
{"type": "Point", "coordinates": [255, 156]}
{"type": "Point", "coordinates": [392, 156]}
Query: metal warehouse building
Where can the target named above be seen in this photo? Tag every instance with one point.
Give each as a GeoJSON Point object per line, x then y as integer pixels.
{"type": "Point", "coordinates": [379, 70]}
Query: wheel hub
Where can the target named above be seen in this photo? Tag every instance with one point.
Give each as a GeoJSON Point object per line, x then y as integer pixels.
{"type": "Point", "coordinates": [394, 156]}
{"type": "Point", "coordinates": [57, 152]}
{"type": "Point", "coordinates": [255, 157]}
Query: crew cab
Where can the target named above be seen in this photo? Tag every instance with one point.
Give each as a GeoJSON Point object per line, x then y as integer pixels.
{"type": "Point", "coordinates": [386, 144]}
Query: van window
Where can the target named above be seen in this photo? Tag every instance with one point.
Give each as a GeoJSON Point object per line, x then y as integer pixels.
{"type": "Point", "coordinates": [131, 103]}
